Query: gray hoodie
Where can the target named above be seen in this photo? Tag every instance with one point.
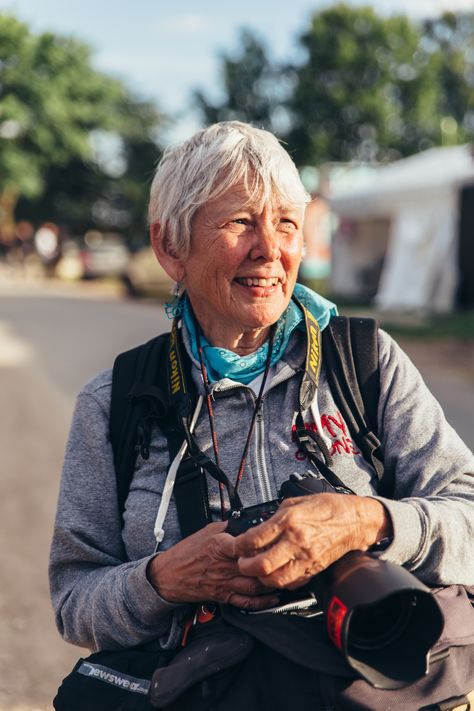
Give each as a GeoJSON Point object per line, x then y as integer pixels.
{"type": "Point", "coordinates": [100, 592]}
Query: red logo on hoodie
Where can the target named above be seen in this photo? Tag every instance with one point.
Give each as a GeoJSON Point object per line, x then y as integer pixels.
{"type": "Point", "coordinates": [334, 427]}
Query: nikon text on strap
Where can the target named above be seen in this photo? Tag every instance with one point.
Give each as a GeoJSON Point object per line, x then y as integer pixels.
{"type": "Point", "coordinates": [311, 442]}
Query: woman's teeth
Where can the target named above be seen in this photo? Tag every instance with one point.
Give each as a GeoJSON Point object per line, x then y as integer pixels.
{"type": "Point", "coordinates": [248, 281]}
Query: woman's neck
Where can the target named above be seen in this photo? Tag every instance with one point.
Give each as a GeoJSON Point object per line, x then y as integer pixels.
{"type": "Point", "coordinates": [242, 343]}
{"type": "Point", "coordinates": [223, 333]}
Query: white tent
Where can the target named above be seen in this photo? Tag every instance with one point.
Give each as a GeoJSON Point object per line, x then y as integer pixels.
{"type": "Point", "coordinates": [420, 198]}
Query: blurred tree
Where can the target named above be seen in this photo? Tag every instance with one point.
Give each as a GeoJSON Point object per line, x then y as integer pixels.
{"type": "Point", "coordinates": [68, 134]}
{"type": "Point", "coordinates": [368, 87]}
{"type": "Point", "coordinates": [367, 90]}
{"type": "Point", "coordinates": [450, 38]}
{"type": "Point", "coordinates": [254, 89]}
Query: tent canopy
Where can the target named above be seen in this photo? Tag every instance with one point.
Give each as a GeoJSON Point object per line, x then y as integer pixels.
{"type": "Point", "coordinates": [429, 175]}
{"type": "Point", "coordinates": [419, 196]}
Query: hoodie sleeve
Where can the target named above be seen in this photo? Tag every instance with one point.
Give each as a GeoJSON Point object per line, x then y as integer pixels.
{"type": "Point", "coordinates": [101, 599]}
{"type": "Point", "coordinates": [433, 507]}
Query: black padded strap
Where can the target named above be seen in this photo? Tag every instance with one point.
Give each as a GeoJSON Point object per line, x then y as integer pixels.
{"type": "Point", "coordinates": [138, 365]}
{"type": "Point", "coordinates": [365, 353]}
{"type": "Point", "coordinates": [192, 498]}
{"type": "Point", "coordinates": [350, 348]}
{"type": "Point", "coordinates": [140, 397]}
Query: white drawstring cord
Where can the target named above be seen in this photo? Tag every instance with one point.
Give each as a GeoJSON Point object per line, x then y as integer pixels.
{"type": "Point", "coordinates": [159, 531]}
{"type": "Point", "coordinates": [317, 421]}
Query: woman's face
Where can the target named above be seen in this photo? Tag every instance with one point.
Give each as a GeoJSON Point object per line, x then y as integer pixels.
{"type": "Point", "coordinates": [242, 264]}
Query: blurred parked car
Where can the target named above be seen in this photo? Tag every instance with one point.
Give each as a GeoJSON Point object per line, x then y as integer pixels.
{"type": "Point", "coordinates": [144, 276]}
{"type": "Point", "coordinates": [95, 255]}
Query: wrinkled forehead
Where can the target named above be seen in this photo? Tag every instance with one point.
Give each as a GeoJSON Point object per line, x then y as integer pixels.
{"type": "Point", "coordinates": [252, 190]}
{"type": "Point", "coordinates": [252, 198]}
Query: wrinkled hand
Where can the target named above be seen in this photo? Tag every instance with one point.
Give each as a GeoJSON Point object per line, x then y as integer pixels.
{"type": "Point", "coordinates": [203, 567]}
{"type": "Point", "coordinates": [307, 534]}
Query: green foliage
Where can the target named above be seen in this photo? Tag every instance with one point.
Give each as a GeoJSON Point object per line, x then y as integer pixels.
{"type": "Point", "coordinates": [253, 87]}
{"type": "Point", "coordinates": [368, 88]}
{"type": "Point", "coordinates": [451, 40]}
{"type": "Point", "coordinates": [366, 92]}
{"type": "Point", "coordinates": [458, 326]}
{"type": "Point", "coordinates": [52, 105]}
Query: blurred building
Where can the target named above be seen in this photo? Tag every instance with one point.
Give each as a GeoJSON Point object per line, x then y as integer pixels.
{"type": "Point", "coordinates": [405, 234]}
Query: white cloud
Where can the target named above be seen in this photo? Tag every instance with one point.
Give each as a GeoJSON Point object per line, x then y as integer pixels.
{"type": "Point", "coordinates": [185, 22]}
{"type": "Point", "coordinates": [416, 9]}
{"type": "Point", "coordinates": [422, 8]}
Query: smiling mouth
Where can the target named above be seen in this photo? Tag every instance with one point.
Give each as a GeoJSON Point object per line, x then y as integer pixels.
{"type": "Point", "coordinates": [257, 281]}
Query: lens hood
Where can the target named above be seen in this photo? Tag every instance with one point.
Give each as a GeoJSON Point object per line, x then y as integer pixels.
{"type": "Point", "coordinates": [382, 619]}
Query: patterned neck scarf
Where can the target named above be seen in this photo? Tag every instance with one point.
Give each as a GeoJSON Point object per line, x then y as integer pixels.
{"type": "Point", "coordinates": [222, 363]}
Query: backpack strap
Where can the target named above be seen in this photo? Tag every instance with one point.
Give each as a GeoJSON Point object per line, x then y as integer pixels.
{"type": "Point", "coordinates": [350, 349]}
{"type": "Point", "coordinates": [140, 398]}
{"type": "Point", "coordinates": [126, 429]}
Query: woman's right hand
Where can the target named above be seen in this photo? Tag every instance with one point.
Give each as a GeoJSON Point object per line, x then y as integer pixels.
{"type": "Point", "coordinates": [203, 567]}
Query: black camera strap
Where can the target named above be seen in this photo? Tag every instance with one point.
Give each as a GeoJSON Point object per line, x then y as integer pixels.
{"type": "Point", "coordinates": [181, 407]}
{"type": "Point", "coordinates": [310, 442]}
{"type": "Point", "coordinates": [210, 411]}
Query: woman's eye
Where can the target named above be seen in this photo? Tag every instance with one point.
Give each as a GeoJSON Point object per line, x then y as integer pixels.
{"type": "Point", "coordinates": [234, 223]}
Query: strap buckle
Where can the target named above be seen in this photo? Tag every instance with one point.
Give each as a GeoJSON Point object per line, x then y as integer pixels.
{"type": "Point", "coordinates": [312, 443]}
{"type": "Point", "coordinates": [205, 612]}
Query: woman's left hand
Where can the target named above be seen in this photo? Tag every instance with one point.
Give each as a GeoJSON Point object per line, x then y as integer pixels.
{"type": "Point", "coordinates": [307, 534]}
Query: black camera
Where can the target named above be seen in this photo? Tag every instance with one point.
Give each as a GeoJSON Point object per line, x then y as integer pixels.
{"type": "Point", "coordinates": [241, 520]}
{"type": "Point", "coordinates": [381, 618]}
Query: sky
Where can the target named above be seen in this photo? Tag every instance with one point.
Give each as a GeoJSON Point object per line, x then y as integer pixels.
{"type": "Point", "coordinates": [164, 50]}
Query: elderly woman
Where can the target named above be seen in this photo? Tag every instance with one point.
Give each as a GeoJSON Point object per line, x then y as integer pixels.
{"type": "Point", "coordinates": [226, 215]}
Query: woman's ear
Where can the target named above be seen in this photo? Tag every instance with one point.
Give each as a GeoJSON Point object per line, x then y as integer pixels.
{"type": "Point", "coordinates": [172, 265]}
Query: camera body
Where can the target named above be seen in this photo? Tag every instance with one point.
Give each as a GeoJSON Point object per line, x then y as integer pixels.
{"type": "Point", "coordinates": [240, 520]}
{"type": "Point", "coordinates": [381, 618]}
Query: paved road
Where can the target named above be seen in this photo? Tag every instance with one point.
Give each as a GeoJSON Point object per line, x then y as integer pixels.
{"type": "Point", "coordinates": [51, 341]}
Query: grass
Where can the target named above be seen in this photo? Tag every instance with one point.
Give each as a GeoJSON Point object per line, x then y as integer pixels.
{"type": "Point", "coordinates": [458, 325]}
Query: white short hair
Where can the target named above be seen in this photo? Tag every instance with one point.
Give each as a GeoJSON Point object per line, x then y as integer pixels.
{"type": "Point", "coordinates": [208, 165]}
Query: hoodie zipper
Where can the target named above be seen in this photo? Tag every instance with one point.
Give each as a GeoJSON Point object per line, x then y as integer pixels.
{"type": "Point", "coordinates": [262, 471]}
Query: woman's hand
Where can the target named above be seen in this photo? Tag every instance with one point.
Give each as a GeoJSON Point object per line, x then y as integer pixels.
{"type": "Point", "coordinates": [203, 567]}
{"type": "Point", "coordinates": [307, 534]}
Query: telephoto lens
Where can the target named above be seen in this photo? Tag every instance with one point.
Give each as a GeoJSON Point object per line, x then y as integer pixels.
{"type": "Point", "coordinates": [382, 619]}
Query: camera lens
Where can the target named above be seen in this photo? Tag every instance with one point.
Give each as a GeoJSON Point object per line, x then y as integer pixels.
{"type": "Point", "coordinates": [377, 626]}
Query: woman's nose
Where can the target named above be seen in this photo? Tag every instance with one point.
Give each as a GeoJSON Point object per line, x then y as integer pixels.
{"type": "Point", "coordinates": [266, 242]}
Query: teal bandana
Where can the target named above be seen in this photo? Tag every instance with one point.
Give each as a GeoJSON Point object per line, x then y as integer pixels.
{"type": "Point", "coordinates": [222, 363]}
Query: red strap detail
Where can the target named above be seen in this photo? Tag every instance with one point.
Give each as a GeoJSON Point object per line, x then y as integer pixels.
{"type": "Point", "coordinates": [187, 626]}
{"type": "Point", "coordinates": [202, 615]}
{"type": "Point", "coordinates": [337, 611]}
